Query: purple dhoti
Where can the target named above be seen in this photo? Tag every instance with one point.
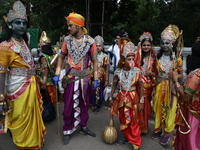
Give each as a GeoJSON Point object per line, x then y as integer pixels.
{"type": "Point", "coordinates": [76, 105]}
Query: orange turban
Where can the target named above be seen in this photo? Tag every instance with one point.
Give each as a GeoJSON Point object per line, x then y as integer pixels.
{"type": "Point", "coordinates": [78, 20]}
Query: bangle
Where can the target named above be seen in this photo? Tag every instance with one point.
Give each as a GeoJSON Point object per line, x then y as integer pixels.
{"type": "Point", "coordinates": [2, 97]}
{"type": "Point", "coordinates": [57, 71]}
{"type": "Point", "coordinates": [142, 99]}
{"type": "Point", "coordinates": [177, 84]}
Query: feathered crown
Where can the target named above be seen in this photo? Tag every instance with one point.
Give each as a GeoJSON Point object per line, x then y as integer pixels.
{"type": "Point", "coordinates": [147, 36]}
{"type": "Point", "coordinates": [129, 48]}
{"type": "Point", "coordinates": [19, 11]}
{"type": "Point", "coordinates": [171, 33]}
{"type": "Point", "coordinates": [44, 38]}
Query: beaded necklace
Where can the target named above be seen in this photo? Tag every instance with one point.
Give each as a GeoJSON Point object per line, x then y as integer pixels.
{"type": "Point", "coordinates": [22, 48]}
{"type": "Point", "coordinates": [126, 78]}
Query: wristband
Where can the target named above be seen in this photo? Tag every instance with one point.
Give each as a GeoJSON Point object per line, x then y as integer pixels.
{"type": "Point", "coordinates": [177, 84]}
{"type": "Point", "coordinates": [2, 97]}
{"type": "Point", "coordinates": [57, 71]}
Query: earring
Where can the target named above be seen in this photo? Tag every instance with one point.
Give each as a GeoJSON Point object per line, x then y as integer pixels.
{"type": "Point", "coordinates": [10, 27]}
{"type": "Point", "coordinates": [122, 62]}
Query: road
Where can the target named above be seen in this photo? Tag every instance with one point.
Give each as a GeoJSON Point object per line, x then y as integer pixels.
{"type": "Point", "coordinates": [78, 141]}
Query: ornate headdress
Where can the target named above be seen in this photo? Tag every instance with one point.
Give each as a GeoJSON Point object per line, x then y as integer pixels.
{"type": "Point", "coordinates": [18, 12]}
{"type": "Point", "coordinates": [78, 20]}
{"type": "Point", "coordinates": [99, 40]}
{"type": "Point", "coordinates": [147, 36]}
{"type": "Point", "coordinates": [129, 48]}
{"type": "Point", "coordinates": [44, 38]}
{"type": "Point", "coordinates": [171, 33]}
{"type": "Point", "coordinates": [122, 42]}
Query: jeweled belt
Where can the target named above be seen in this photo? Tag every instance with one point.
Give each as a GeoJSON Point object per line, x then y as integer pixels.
{"type": "Point", "coordinates": [130, 90]}
{"type": "Point", "coordinates": [22, 72]}
{"type": "Point", "coordinates": [79, 73]}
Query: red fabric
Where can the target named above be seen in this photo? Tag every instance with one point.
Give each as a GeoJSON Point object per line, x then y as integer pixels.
{"type": "Point", "coordinates": [132, 132]}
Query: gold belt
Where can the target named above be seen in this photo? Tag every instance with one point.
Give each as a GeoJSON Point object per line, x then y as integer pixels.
{"type": "Point", "coordinates": [79, 73]}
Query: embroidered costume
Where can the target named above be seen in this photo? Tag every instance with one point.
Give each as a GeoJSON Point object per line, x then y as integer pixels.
{"type": "Point", "coordinates": [97, 97]}
{"type": "Point", "coordinates": [191, 112]}
{"type": "Point", "coordinates": [127, 100]}
{"type": "Point", "coordinates": [165, 99]}
{"type": "Point", "coordinates": [77, 93]}
{"type": "Point", "coordinates": [149, 63]}
{"type": "Point", "coordinates": [23, 95]}
{"type": "Point", "coordinates": [22, 91]}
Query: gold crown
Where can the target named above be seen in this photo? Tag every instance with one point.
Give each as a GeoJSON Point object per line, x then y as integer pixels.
{"type": "Point", "coordinates": [129, 48]}
{"type": "Point", "coordinates": [18, 12]}
{"type": "Point", "coordinates": [147, 36]}
{"type": "Point", "coordinates": [171, 33]}
{"type": "Point", "coordinates": [44, 38]}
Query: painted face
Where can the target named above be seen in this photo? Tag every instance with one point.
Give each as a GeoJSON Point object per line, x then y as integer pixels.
{"type": "Point", "coordinates": [129, 62]}
{"type": "Point", "coordinates": [73, 29]}
{"type": "Point", "coordinates": [146, 46]}
{"type": "Point", "coordinates": [99, 47]}
{"type": "Point", "coordinates": [19, 27]}
{"type": "Point", "coordinates": [166, 45]}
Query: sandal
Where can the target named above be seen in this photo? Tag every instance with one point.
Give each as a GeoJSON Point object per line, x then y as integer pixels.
{"type": "Point", "coordinates": [122, 141]}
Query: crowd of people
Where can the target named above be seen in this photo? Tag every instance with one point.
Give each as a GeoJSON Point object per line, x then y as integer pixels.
{"type": "Point", "coordinates": [147, 83]}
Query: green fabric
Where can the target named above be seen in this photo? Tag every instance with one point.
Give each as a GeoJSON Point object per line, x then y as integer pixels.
{"type": "Point", "coordinates": [34, 37]}
{"type": "Point", "coordinates": [188, 90]}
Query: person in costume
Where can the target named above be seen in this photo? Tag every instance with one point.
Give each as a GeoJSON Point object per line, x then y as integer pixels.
{"type": "Point", "coordinates": [80, 50]}
{"type": "Point", "coordinates": [165, 99]}
{"type": "Point", "coordinates": [129, 100]}
{"type": "Point", "coordinates": [22, 91]}
{"type": "Point", "coordinates": [186, 135]}
{"type": "Point", "coordinates": [97, 97]}
{"type": "Point", "coordinates": [47, 72]}
{"type": "Point", "coordinates": [147, 55]}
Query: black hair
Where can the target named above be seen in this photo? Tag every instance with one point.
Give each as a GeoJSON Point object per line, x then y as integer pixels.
{"type": "Point", "coordinates": [143, 53]}
{"type": "Point", "coordinates": [47, 49]}
{"type": "Point", "coordinates": [7, 34]}
{"type": "Point", "coordinates": [193, 61]}
{"type": "Point", "coordinates": [160, 53]}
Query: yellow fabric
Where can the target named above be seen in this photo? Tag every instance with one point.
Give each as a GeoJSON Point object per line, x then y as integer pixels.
{"type": "Point", "coordinates": [25, 120]}
{"type": "Point", "coordinates": [78, 20]}
{"type": "Point", "coordinates": [7, 57]}
{"type": "Point", "coordinates": [164, 116]}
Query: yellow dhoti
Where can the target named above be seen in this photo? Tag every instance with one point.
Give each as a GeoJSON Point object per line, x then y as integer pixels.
{"type": "Point", "coordinates": [25, 119]}
{"type": "Point", "coordinates": [164, 106]}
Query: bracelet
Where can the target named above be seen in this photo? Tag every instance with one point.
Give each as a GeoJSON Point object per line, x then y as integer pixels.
{"type": "Point", "coordinates": [110, 98]}
{"type": "Point", "coordinates": [142, 99]}
{"type": "Point", "coordinates": [96, 75]}
{"type": "Point", "coordinates": [57, 71]}
{"type": "Point", "coordinates": [2, 97]}
{"type": "Point", "coordinates": [177, 84]}
{"type": "Point", "coordinates": [44, 80]}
